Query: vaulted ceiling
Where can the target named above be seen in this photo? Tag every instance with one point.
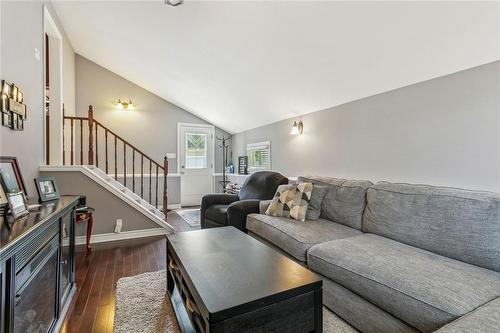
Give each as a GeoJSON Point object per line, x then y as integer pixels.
{"type": "Point", "coordinates": [242, 64]}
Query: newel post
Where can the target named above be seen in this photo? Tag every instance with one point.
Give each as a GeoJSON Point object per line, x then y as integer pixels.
{"type": "Point", "coordinates": [91, 135]}
{"type": "Point", "coordinates": [165, 186]}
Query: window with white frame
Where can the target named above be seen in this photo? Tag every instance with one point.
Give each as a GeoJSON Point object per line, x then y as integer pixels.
{"type": "Point", "coordinates": [259, 156]}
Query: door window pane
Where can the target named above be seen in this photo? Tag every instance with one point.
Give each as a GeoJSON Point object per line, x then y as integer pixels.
{"type": "Point", "coordinates": [196, 151]}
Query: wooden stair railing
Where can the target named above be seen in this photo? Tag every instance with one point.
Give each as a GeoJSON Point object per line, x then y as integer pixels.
{"type": "Point", "coordinates": [77, 128]}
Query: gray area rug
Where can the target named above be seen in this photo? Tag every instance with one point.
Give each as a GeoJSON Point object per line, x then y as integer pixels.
{"type": "Point", "coordinates": [141, 306]}
{"type": "Point", "coordinates": [191, 216]}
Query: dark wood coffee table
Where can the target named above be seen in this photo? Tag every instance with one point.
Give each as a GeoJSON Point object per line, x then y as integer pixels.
{"type": "Point", "coordinates": [222, 280]}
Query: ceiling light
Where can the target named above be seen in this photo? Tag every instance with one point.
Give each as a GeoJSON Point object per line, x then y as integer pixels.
{"type": "Point", "coordinates": [297, 128]}
{"type": "Point", "coordinates": [173, 3]}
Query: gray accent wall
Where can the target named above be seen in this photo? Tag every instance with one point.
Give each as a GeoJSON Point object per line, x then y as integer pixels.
{"type": "Point", "coordinates": [21, 32]}
{"type": "Point", "coordinates": [108, 207]}
{"type": "Point", "coordinates": [152, 127]}
{"type": "Point", "coordinates": [444, 131]}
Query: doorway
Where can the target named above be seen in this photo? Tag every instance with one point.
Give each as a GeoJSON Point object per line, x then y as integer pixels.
{"type": "Point", "coordinates": [195, 161]}
{"type": "Point", "coordinates": [53, 90]}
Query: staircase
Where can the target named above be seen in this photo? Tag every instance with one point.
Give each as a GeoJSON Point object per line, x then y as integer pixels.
{"type": "Point", "coordinates": [114, 163]}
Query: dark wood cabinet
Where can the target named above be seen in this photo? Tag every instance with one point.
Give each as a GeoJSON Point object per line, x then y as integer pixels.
{"type": "Point", "coordinates": [37, 267]}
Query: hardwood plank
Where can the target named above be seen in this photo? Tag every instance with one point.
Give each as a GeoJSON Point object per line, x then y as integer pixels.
{"type": "Point", "coordinates": [86, 286]}
{"type": "Point", "coordinates": [92, 305]}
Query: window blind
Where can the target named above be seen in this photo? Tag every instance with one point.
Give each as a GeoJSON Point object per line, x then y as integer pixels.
{"type": "Point", "coordinates": [259, 156]}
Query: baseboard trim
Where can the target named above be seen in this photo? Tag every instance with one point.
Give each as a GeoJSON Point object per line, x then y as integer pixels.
{"type": "Point", "coordinates": [112, 237]}
{"type": "Point", "coordinates": [174, 206]}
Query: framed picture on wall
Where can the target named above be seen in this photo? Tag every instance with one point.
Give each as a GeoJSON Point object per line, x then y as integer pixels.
{"type": "Point", "coordinates": [20, 96]}
{"type": "Point", "coordinates": [6, 88]}
{"type": "Point", "coordinates": [47, 189]}
{"type": "Point", "coordinates": [11, 175]}
{"type": "Point", "coordinates": [7, 119]}
{"type": "Point", "coordinates": [3, 101]}
{"type": "Point", "coordinates": [14, 92]}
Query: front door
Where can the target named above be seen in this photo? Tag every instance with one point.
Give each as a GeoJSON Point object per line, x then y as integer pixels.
{"type": "Point", "coordinates": [196, 155]}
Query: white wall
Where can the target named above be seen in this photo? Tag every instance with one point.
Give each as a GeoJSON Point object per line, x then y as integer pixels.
{"type": "Point", "coordinates": [444, 131]}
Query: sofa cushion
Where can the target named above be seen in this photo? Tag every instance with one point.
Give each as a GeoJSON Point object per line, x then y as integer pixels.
{"type": "Point", "coordinates": [421, 288]}
{"type": "Point", "coordinates": [459, 224]}
{"type": "Point", "coordinates": [295, 237]}
{"type": "Point", "coordinates": [345, 200]}
{"type": "Point", "coordinates": [317, 196]}
{"type": "Point", "coordinates": [217, 213]}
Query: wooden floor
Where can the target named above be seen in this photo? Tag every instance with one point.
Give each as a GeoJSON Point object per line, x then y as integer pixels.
{"type": "Point", "coordinates": [93, 307]}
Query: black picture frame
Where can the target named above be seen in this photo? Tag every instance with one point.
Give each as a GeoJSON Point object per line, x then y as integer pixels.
{"type": "Point", "coordinates": [11, 175]}
{"type": "Point", "coordinates": [47, 189]}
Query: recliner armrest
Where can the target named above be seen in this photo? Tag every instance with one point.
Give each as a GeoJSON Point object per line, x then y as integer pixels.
{"type": "Point", "coordinates": [215, 199]}
{"type": "Point", "coordinates": [264, 204]}
{"type": "Point", "coordinates": [237, 212]}
{"type": "Point", "coordinates": [485, 319]}
{"type": "Point", "coordinates": [218, 199]}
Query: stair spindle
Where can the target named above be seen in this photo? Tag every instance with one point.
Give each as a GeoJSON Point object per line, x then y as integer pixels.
{"type": "Point", "coordinates": [142, 175]}
{"type": "Point", "coordinates": [150, 176]}
{"type": "Point", "coordinates": [133, 170]}
{"type": "Point", "coordinates": [124, 164]}
{"type": "Point", "coordinates": [156, 199]}
{"type": "Point", "coordinates": [165, 186]}
{"type": "Point", "coordinates": [81, 142]}
{"type": "Point", "coordinates": [91, 135]}
{"type": "Point", "coordinates": [96, 148]}
{"type": "Point", "coordinates": [116, 164]}
{"type": "Point", "coordinates": [106, 147]}
{"type": "Point", "coordinates": [72, 135]}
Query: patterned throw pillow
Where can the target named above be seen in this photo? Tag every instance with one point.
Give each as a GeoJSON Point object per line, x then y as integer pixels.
{"type": "Point", "coordinates": [291, 201]}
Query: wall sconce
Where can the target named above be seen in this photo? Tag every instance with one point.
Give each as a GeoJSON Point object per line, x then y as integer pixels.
{"type": "Point", "coordinates": [124, 105]}
{"type": "Point", "coordinates": [297, 128]}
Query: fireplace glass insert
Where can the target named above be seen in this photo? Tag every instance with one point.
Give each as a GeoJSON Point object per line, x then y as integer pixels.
{"type": "Point", "coordinates": [36, 291]}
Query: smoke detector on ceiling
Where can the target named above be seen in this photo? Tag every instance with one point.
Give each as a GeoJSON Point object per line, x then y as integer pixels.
{"type": "Point", "coordinates": [173, 3]}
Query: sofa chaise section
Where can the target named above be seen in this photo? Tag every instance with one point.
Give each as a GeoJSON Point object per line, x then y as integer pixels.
{"type": "Point", "coordinates": [421, 288]}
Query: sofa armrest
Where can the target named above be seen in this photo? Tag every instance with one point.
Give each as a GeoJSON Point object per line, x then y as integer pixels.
{"type": "Point", "coordinates": [237, 212]}
{"type": "Point", "coordinates": [215, 199]}
{"type": "Point", "coordinates": [485, 319]}
{"type": "Point", "coordinates": [264, 204]}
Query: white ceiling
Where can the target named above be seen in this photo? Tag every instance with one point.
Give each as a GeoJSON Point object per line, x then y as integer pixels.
{"type": "Point", "coordinates": [243, 64]}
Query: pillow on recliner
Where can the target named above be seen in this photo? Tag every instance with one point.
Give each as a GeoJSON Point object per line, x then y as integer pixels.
{"type": "Point", "coordinates": [291, 201]}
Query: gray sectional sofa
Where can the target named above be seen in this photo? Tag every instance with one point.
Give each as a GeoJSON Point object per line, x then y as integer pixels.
{"type": "Point", "coordinates": [399, 257]}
